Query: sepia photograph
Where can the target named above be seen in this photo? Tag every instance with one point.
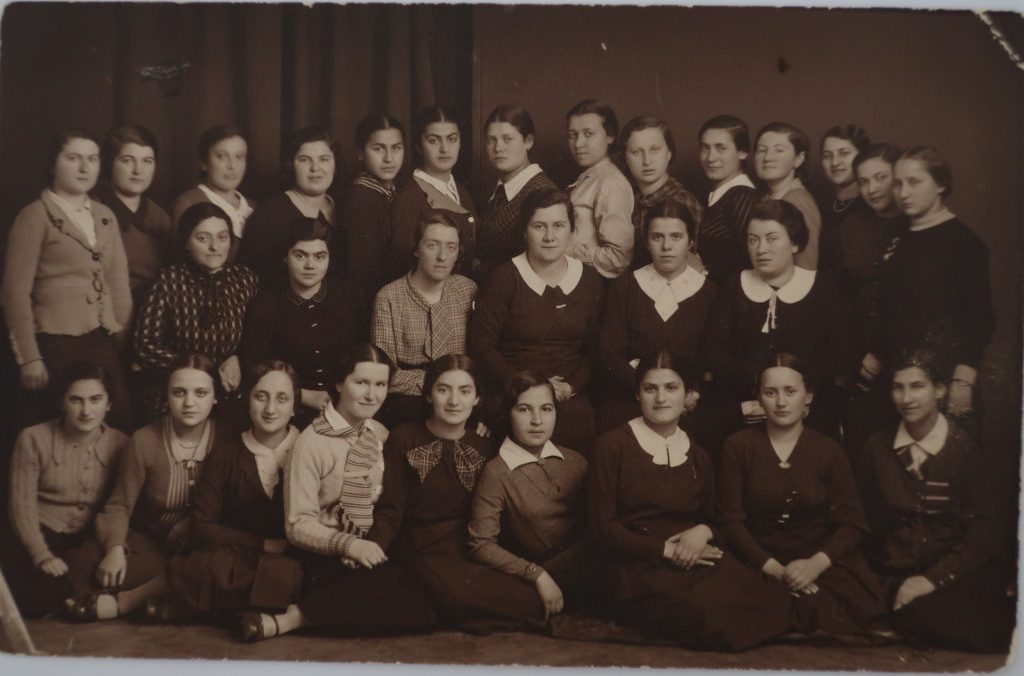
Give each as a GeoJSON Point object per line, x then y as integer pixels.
{"type": "Point", "coordinates": [510, 334]}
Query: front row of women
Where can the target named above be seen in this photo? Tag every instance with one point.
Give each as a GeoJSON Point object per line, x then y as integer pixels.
{"type": "Point", "coordinates": [347, 527]}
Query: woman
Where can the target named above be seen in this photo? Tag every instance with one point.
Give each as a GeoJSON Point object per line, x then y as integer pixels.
{"type": "Point", "coordinates": [437, 142]}
{"type": "Point", "coordinates": [540, 311]}
{"type": "Point", "coordinates": [649, 148]}
{"type": "Point", "coordinates": [332, 482]}
{"type": "Point", "coordinates": [927, 492]}
{"type": "Point", "coordinates": [721, 238]}
{"type": "Point", "coordinates": [528, 512]}
{"type": "Point", "coordinates": [61, 473]}
{"type": "Point", "coordinates": [308, 161]}
{"type": "Point", "coordinates": [66, 288]}
{"type": "Point", "coordinates": [223, 151]}
{"type": "Point", "coordinates": [652, 505]}
{"type": "Point", "coordinates": [237, 511]}
{"type": "Point", "coordinates": [777, 306]}
{"type": "Point", "coordinates": [422, 316]}
{"type": "Point", "coordinates": [662, 306]}
{"type": "Point", "coordinates": [305, 321]}
{"type": "Point", "coordinates": [510, 136]}
{"type": "Point", "coordinates": [780, 154]}
{"type": "Point", "coordinates": [840, 147]}
{"type": "Point", "coordinates": [197, 305]}
{"type": "Point", "coordinates": [364, 215]}
{"type": "Point", "coordinates": [145, 518]}
{"type": "Point", "coordinates": [790, 508]}
{"type": "Point", "coordinates": [601, 195]}
{"type": "Point", "coordinates": [422, 517]}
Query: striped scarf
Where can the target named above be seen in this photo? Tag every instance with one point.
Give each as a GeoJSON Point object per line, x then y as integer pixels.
{"type": "Point", "coordinates": [355, 504]}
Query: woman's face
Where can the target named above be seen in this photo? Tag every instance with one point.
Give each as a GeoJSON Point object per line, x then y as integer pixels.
{"type": "Point", "coordinates": [308, 261]}
{"type": "Point", "coordinates": [775, 157]}
{"type": "Point", "coordinates": [438, 251]}
{"type": "Point", "coordinates": [190, 397]}
{"type": "Point", "coordinates": [440, 145]}
{"type": "Point", "coordinates": [77, 167]}
{"type": "Point", "coordinates": [313, 165]}
{"type": "Point", "coordinates": [225, 163]}
{"type": "Point", "coordinates": [272, 403]}
{"type": "Point", "coordinates": [915, 394]}
{"type": "Point", "coordinates": [383, 154]}
{"type": "Point", "coordinates": [784, 396]}
{"type": "Point", "coordinates": [86, 403]}
{"type": "Point", "coordinates": [588, 141]}
{"type": "Point", "coordinates": [363, 391]}
{"type": "Point", "coordinates": [133, 169]}
{"type": "Point", "coordinates": [719, 157]}
{"type": "Point", "coordinates": [507, 150]}
{"type": "Point", "coordinates": [548, 234]}
{"type": "Point", "coordinates": [648, 156]}
{"type": "Point", "coordinates": [668, 243]}
{"type": "Point", "coordinates": [837, 155]}
{"type": "Point", "coordinates": [532, 419]}
{"type": "Point", "coordinates": [875, 180]}
{"type": "Point", "coordinates": [771, 250]}
{"type": "Point", "coordinates": [453, 397]}
{"type": "Point", "coordinates": [915, 189]}
{"type": "Point", "coordinates": [662, 397]}
{"type": "Point", "coordinates": [209, 243]}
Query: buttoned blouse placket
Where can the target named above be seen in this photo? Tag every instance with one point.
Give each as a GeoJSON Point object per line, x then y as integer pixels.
{"type": "Point", "coordinates": [97, 256]}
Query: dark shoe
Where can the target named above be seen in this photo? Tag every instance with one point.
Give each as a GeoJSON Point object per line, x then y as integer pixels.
{"type": "Point", "coordinates": [252, 627]}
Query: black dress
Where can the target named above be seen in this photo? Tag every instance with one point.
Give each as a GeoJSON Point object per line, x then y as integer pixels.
{"type": "Point", "coordinates": [721, 238]}
{"type": "Point", "coordinates": [265, 244]}
{"type": "Point", "coordinates": [501, 235]}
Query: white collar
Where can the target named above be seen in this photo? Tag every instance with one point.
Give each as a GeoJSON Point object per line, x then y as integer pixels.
{"type": "Point", "coordinates": [304, 202]}
{"type": "Point", "coordinates": [236, 214]}
{"type": "Point", "coordinates": [671, 451]}
{"type": "Point", "coordinates": [932, 442]}
{"type": "Point", "coordinates": [336, 419]}
{"type": "Point", "coordinates": [738, 179]}
{"type": "Point", "coordinates": [793, 291]}
{"type": "Point", "coordinates": [68, 206]}
{"type": "Point", "coordinates": [515, 456]}
{"type": "Point", "coordinates": [258, 449]}
{"type": "Point", "coordinates": [569, 281]}
{"type": "Point", "coordinates": [450, 188]}
{"type": "Point", "coordinates": [517, 182]}
{"type": "Point", "coordinates": [940, 216]}
{"type": "Point", "coordinates": [683, 286]}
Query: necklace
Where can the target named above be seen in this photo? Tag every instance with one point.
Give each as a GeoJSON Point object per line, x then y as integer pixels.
{"type": "Point", "coordinates": [839, 206]}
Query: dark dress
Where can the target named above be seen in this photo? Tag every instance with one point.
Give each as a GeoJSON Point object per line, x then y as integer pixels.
{"type": "Point", "coordinates": [721, 238]}
{"type": "Point", "coordinates": [939, 525]}
{"type": "Point", "coordinates": [421, 522]}
{"type": "Point", "coordinates": [265, 244]}
{"type": "Point", "coordinates": [501, 236]}
{"type": "Point", "coordinates": [672, 191]}
{"type": "Point", "coordinates": [635, 506]}
{"type": "Point", "coordinates": [834, 212]}
{"type": "Point", "coordinates": [794, 512]}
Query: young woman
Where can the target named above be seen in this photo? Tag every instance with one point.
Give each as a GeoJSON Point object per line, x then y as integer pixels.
{"type": "Point", "coordinates": [438, 139]}
{"type": "Point", "coordinates": [780, 154]}
{"type": "Point", "coordinates": [601, 196]}
{"type": "Point", "coordinates": [305, 321]}
{"type": "Point", "coordinates": [61, 473]}
{"type": "Point", "coordinates": [790, 508]}
{"type": "Point", "coordinates": [541, 311]}
{"type": "Point", "coordinates": [724, 145]}
{"type": "Point", "coordinates": [222, 156]}
{"type": "Point", "coordinates": [422, 316]}
{"type": "Point", "coordinates": [240, 560]}
{"type": "Point", "coordinates": [662, 306]}
{"type": "Point", "coordinates": [840, 147]}
{"type": "Point", "coordinates": [650, 148]}
{"type": "Point", "coordinates": [652, 505]}
{"type": "Point", "coordinates": [197, 305]}
{"type": "Point", "coordinates": [145, 517]}
{"type": "Point", "coordinates": [509, 135]}
{"type": "Point", "coordinates": [364, 215]}
{"type": "Point", "coordinates": [308, 161]}
{"type": "Point", "coordinates": [529, 515]}
{"type": "Point", "coordinates": [927, 494]}
{"type": "Point", "coordinates": [66, 288]}
{"type": "Point", "coordinates": [422, 517]}
{"type": "Point", "coordinates": [332, 481]}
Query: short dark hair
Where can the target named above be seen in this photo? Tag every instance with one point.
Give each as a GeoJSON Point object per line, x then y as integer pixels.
{"type": "Point", "coordinates": [299, 139]}
{"type": "Point", "coordinates": [83, 370]}
{"type": "Point", "coordinates": [521, 382]}
{"type": "Point", "coordinates": [61, 139]}
{"type": "Point", "coordinates": [796, 137]}
{"type": "Point", "coordinates": [787, 215]}
{"type": "Point", "coordinates": [192, 360]}
{"type": "Point", "coordinates": [603, 110]}
{"type": "Point", "coordinates": [516, 116]}
{"type": "Point", "coordinates": [542, 199]}
{"type": "Point", "coordinates": [214, 135]}
{"type": "Point", "coordinates": [119, 137]}
{"type": "Point", "coordinates": [375, 122]}
{"type": "Point", "coordinates": [928, 359]}
{"type": "Point", "coordinates": [347, 361]}
{"type": "Point", "coordinates": [445, 363]}
{"type": "Point", "coordinates": [265, 366]}
{"type": "Point", "coordinates": [670, 208]}
{"type": "Point", "coordinates": [935, 164]}
{"type": "Point", "coordinates": [789, 361]}
{"type": "Point", "coordinates": [196, 214]}
{"type": "Point", "coordinates": [663, 359]}
{"type": "Point", "coordinates": [736, 128]}
{"type": "Point", "coordinates": [426, 117]}
{"type": "Point", "coordinates": [307, 229]}
{"type": "Point", "coordinates": [848, 132]}
{"type": "Point", "coordinates": [886, 152]}
{"type": "Point", "coordinates": [650, 122]}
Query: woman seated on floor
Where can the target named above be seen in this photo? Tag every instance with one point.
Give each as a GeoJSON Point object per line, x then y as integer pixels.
{"type": "Point", "coordinates": [652, 506]}
{"type": "Point", "coordinates": [790, 508]}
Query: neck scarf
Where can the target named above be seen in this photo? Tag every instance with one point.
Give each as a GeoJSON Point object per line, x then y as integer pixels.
{"type": "Point", "coordinates": [357, 494]}
{"type": "Point", "coordinates": [468, 461]}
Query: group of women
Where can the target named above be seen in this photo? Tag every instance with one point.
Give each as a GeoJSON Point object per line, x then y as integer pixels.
{"type": "Point", "coordinates": [716, 421]}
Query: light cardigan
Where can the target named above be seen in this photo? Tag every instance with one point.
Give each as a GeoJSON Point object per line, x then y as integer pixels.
{"type": "Point", "coordinates": [55, 283]}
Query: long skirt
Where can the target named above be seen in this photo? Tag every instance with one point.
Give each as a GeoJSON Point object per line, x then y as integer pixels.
{"type": "Point", "coordinates": [35, 592]}
{"type": "Point", "coordinates": [145, 556]}
{"type": "Point", "coordinates": [228, 580]}
{"type": "Point", "coordinates": [849, 597]}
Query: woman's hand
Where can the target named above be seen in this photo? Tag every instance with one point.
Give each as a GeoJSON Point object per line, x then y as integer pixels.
{"type": "Point", "coordinates": [753, 412]}
{"type": "Point", "coordinates": [870, 367]}
{"type": "Point", "coordinates": [773, 568]}
{"type": "Point", "coordinates": [54, 566]}
{"type": "Point", "coordinates": [693, 260]}
{"type": "Point", "coordinates": [230, 373]}
{"type": "Point", "coordinates": [911, 589]}
{"type": "Point", "coordinates": [960, 399]}
{"type": "Point", "coordinates": [563, 390]}
{"type": "Point", "coordinates": [802, 573]}
{"type": "Point", "coordinates": [317, 400]}
{"type": "Point", "coordinates": [112, 569]}
{"type": "Point", "coordinates": [483, 431]}
{"type": "Point", "coordinates": [550, 594]}
{"type": "Point", "coordinates": [275, 546]}
{"type": "Point", "coordinates": [34, 375]}
{"type": "Point", "coordinates": [349, 563]}
{"type": "Point", "coordinates": [366, 553]}
{"type": "Point", "coordinates": [689, 545]}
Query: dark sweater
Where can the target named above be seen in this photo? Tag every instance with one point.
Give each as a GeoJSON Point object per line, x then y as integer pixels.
{"type": "Point", "coordinates": [364, 225]}
{"type": "Point", "coordinates": [721, 237]}
{"type": "Point", "coordinates": [265, 244]}
{"type": "Point", "coordinates": [500, 236]}
{"type": "Point", "coordinates": [672, 191]}
{"type": "Point", "coordinates": [410, 206]}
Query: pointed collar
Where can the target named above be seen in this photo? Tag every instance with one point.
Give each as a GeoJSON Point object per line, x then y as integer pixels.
{"type": "Point", "coordinates": [335, 419]}
{"type": "Point", "coordinates": [931, 443]}
{"type": "Point", "coordinates": [571, 278]}
{"type": "Point", "coordinates": [601, 166]}
{"type": "Point", "coordinates": [683, 286]}
{"type": "Point", "coordinates": [62, 446]}
{"type": "Point", "coordinates": [739, 179]}
{"type": "Point", "coordinates": [516, 456]}
{"type": "Point", "coordinates": [370, 181]}
{"type": "Point", "coordinates": [514, 186]}
{"type": "Point", "coordinates": [59, 212]}
{"type": "Point", "coordinates": [448, 189]}
{"type": "Point", "coordinates": [672, 451]}
{"type": "Point", "coordinates": [237, 215]}
{"type": "Point", "coordinates": [302, 203]}
{"type": "Point", "coordinates": [793, 291]}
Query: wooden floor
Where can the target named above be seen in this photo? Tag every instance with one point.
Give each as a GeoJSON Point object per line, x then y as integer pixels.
{"type": "Point", "coordinates": [124, 638]}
